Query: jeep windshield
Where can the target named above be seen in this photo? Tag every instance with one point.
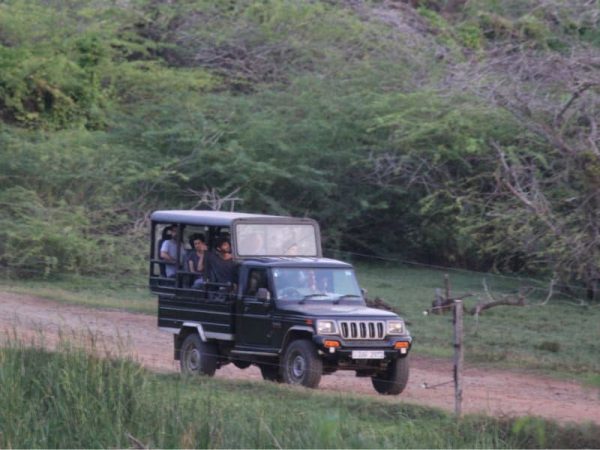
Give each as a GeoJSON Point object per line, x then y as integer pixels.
{"type": "Point", "coordinates": [277, 239]}
{"type": "Point", "coordinates": [316, 284]}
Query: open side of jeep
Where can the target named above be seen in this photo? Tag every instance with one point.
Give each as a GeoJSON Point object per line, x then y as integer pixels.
{"type": "Point", "coordinates": [291, 312]}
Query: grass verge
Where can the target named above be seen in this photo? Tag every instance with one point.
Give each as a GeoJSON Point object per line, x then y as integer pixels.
{"type": "Point", "coordinates": [69, 399]}
{"type": "Point", "coordinates": [127, 294]}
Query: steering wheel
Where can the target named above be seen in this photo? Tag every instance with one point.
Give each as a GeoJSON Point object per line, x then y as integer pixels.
{"type": "Point", "coordinates": [289, 292]}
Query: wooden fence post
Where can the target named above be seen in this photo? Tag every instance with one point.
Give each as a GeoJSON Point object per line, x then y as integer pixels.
{"type": "Point", "coordinates": [458, 356]}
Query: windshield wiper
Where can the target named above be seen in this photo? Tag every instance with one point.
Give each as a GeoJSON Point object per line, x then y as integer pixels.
{"type": "Point", "coordinates": [337, 300]}
{"type": "Point", "coordinates": [318, 294]}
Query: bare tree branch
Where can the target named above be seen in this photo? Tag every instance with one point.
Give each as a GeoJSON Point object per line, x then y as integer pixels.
{"type": "Point", "coordinates": [550, 291]}
{"type": "Point", "coordinates": [211, 198]}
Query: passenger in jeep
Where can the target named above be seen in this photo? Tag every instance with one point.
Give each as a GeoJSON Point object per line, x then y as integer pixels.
{"type": "Point", "coordinates": [195, 259]}
{"type": "Point", "coordinates": [220, 265]}
{"type": "Point", "coordinates": [169, 252]}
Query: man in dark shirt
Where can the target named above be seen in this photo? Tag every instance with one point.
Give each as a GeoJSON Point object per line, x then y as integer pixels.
{"type": "Point", "coordinates": [195, 260]}
{"type": "Point", "coordinates": [220, 266]}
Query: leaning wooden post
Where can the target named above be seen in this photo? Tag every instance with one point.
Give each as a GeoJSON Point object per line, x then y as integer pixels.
{"type": "Point", "coordinates": [458, 356]}
{"type": "Point", "coordinates": [447, 286]}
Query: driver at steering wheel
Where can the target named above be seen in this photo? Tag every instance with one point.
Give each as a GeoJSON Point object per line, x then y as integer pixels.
{"type": "Point", "coordinates": [302, 283]}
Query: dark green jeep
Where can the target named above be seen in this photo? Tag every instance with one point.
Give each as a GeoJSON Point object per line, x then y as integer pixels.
{"type": "Point", "coordinates": [288, 310]}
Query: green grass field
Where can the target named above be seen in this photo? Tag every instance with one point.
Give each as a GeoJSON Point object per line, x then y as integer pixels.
{"type": "Point", "coordinates": [69, 399]}
{"type": "Point", "coordinates": [560, 338]}
{"type": "Point", "coordinates": [130, 294]}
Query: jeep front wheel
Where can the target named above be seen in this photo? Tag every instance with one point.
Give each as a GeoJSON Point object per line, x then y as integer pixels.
{"type": "Point", "coordinates": [198, 357]}
{"type": "Point", "coordinates": [394, 379]}
{"type": "Point", "coordinates": [302, 365]}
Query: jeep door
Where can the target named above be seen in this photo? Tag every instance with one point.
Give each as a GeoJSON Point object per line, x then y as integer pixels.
{"type": "Point", "coordinates": [255, 317]}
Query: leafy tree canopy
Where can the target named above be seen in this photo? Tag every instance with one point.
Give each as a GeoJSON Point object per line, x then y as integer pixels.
{"type": "Point", "coordinates": [451, 132]}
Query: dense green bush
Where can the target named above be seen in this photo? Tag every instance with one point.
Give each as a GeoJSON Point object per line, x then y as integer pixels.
{"type": "Point", "coordinates": [383, 123]}
{"type": "Point", "coordinates": [40, 241]}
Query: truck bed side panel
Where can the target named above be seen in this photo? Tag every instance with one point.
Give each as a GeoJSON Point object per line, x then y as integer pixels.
{"type": "Point", "coordinates": [215, 316]}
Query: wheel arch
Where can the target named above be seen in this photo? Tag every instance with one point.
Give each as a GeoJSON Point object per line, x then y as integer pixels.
{"type": "Point", "coordinates": [295, 333]}
{"type": "Point", "coordinates": [186, 329]}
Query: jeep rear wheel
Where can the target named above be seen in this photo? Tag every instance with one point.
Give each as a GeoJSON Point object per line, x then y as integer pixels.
{"type": "Point", "coordinates": [394, 379]}
{"type": "Point", "coordinates": [198, 357]}
{"type": "Point", "coordinates": [302, 365]}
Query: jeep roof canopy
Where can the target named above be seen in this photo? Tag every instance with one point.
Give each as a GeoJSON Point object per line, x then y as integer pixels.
{"type": "Point", "coordinates": [254, 235]}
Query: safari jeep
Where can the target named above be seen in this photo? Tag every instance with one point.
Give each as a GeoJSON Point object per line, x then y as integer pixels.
{"type": "Point", "coordinates": [290, 311]}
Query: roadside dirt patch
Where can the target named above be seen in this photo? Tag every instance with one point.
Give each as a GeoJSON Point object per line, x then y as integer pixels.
{"type": "Point", "coordinates": [494, 392]}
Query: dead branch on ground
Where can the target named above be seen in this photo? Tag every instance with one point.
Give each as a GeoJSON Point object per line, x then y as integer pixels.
{"type": "Point", "coordinates": [506, 300]}
{"type": "Point", "coordinates": [445, 302]}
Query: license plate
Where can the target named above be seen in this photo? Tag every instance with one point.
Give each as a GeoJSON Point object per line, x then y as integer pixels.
{"type": "Point", "coordinates": [367, 354]}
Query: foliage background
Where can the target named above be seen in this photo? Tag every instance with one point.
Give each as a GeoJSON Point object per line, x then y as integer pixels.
{"type": "Point", "coordinates": [460, 133]}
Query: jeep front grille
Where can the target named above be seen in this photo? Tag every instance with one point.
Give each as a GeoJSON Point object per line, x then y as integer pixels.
{"type": "Point", "coordinates": [362, 329]}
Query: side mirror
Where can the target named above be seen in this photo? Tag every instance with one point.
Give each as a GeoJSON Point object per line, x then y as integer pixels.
{"type": "Point", "coordinates": [263, 294]}
{"type": "Point", "coordinates": [364, 292]}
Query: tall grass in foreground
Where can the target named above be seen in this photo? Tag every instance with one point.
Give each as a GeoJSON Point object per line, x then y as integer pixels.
{"type": "Point", "coordinates": [69, 399]}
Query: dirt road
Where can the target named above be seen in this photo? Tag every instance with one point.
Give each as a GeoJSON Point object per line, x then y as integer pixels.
{"type": "Point", "coordinates": [500, 393]}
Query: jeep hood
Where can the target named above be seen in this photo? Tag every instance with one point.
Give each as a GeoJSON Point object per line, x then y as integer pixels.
{"type": "Point", "coordinates": [329, 309]}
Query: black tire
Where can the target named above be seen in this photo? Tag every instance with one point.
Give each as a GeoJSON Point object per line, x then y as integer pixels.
{"type": "Point", "coordinates": [197, 357]}
{"type": "Point", "coordinates": [394, 379]}
{"type": "Point", "coordinates": [271, 372]}
{"type": "Point", "coordinates": [301, 364]}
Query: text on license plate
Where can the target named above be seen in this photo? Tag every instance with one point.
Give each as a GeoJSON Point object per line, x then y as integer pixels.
{"type": "Point", "coordinates": [367, 354]}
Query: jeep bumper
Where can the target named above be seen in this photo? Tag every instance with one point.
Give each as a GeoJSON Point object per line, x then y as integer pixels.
{"type": "Point", "coordinates": [359, 352]}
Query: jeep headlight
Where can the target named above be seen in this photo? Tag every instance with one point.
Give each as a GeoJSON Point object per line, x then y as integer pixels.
{"type": "Point", "coordinates": [395, 327]}
{"type": "Point", "coordinates": [326, 327]}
